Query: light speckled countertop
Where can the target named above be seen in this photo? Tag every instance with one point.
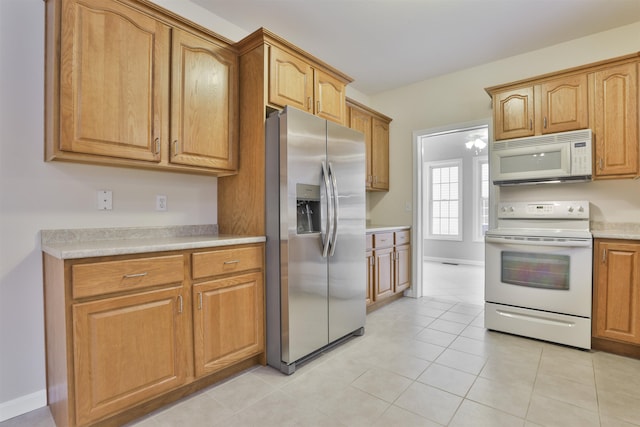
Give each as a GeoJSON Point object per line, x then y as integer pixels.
{"type": "Point", "coordinates": [94, 242]}
{"type": "Point", "coordinates": [615, 230]}
{"type": "Point", "coordinates": [374, 228]}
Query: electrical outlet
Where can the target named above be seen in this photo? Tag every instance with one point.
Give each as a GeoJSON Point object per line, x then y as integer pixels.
{"type": "Point", "coordinates": [105, 200]}
{"type": "Point", "coordinates": [161, 203]}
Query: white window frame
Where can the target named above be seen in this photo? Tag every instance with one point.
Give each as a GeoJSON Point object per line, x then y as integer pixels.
{"type": "Point", "coordinates": [478, 232]}
{"type": "Point", "coordinates": [428, 208]}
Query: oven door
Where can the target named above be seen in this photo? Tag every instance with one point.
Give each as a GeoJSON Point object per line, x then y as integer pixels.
{"type": "Point", "coordinates": [549, 274]}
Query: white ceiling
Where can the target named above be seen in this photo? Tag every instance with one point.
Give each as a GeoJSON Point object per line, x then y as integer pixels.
{"type": "Point", "coordinates": [385, 44]}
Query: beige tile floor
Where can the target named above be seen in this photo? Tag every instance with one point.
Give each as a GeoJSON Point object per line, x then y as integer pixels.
{"type": "Point", "coordinates": [422, 362]}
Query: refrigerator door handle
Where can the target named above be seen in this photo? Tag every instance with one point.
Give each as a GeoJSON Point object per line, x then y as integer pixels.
{"type": "Point", "coordinates": [334, 187]}
{"type": "Point", "coordinates": [329, 220]}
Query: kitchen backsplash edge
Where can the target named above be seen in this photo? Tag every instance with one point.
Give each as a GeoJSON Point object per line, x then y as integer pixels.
{"type": "Point", "coordinates": [78, 235]}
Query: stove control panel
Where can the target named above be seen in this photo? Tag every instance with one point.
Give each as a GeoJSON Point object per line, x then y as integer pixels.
{"type": "Point", "coordinates": [544, 210]}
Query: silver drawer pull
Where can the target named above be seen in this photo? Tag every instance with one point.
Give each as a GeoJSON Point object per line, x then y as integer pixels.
{"type": "Point", "coordinates": [235, 261]}
{"type": "Point", "coordinates": [130, 276]}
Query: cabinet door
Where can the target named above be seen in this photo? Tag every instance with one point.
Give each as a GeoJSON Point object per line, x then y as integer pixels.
{"type": "Point", "coordinates": [617, 292]}
{"type": "Point", "coordinates": [380, 155]}
{"type": "Point", "coordinates": [329, 97]}
{"type": "Point", "coordinates": [370, 275]}
{"type": "Point", "coordinates": [361, 121]}
{"type": "Point", "coordinates": [204, 93]}
{"type": "Point", "coordinates": [403, 268]}
{"type": "Point", "coordinates": [384, 273]}
{"type": "Point", "coordinates": [513, 113]}
{"type": "Point", "coordinates": [114, 86]}
{"type": "Point", "coordinates": [126, 350]}
{"type": "Point", "coordinates": [228, 321]}
{"type": "Point", "coordinates": [564, 104]}
{"type": "Point", "coordinates": [290, 80]}
{"type": "Point", "coordinates": [616, 121]}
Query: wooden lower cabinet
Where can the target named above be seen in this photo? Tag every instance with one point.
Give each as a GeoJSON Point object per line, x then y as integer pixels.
{"type": "Point", "coordinates": [227, 319]}
{"type": "Point", "coordinates": [388, 260]}
{"type": "Point", "coordinates": [129, 333]}
{"type": "Point", "coordinates": [127, 349]}
{"type": "Point", "coordinates": [616, 302]}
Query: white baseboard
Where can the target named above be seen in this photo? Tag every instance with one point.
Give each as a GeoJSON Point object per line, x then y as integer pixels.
{"type": "Point", "coordinates": [22, 405]}
{"type": "Point", "coordinates": [454, 261]}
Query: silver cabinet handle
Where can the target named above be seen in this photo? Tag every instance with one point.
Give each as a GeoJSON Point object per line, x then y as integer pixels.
{"type": "Point", "coordinates": [600, 163]}
{"type": "Point", "coordinates": [175, 147]}
{"type": "Point", "coordinates": [130, 276]}
{"type": "Point", "coordinates": [604, 255]}
{"type": "Point", "coordinates": [530, 124]}
{"type": "Point", "coordinates": [235, 261]}
{"type": "Point", "coordinates": [199, 300]}
{"type": "Point", "coordinates": [179, 303]}
{"type": "Point", "coordinates": [544, 122]}
{"type": "Point", "coordinates": [157, 141]}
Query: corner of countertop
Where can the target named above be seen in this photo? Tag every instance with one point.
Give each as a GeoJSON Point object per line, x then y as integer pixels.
{"type": "Point", "coordinates": [615, 230]}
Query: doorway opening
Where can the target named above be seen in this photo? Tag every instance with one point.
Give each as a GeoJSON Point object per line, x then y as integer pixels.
{"type": "Point", "coordinates": [452, 205]}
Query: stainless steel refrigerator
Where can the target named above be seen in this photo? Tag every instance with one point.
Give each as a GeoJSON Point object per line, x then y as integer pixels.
{"type": "Point", "coordinates": [315, 272]}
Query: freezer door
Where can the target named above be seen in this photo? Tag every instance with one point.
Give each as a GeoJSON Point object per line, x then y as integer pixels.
{"type": "Point", "coordinates": [347, 272]}
{"type": "Point", "coordinates": [304, 289]}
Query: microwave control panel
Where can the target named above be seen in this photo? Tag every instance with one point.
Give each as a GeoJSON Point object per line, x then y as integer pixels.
{"type": "Point", "coordinates": [580, 158]}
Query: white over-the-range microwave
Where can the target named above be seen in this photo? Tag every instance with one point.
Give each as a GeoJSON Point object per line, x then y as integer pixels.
{"type": "Point", "coordinates": [559, 157]}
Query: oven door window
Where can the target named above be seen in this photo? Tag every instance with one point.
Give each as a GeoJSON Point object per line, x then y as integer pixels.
{"type": "Point", "coordinates": [535, 270]}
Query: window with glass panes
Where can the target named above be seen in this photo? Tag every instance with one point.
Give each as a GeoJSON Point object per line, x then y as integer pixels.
{"type": "Point", "coordinates": [445, 203]}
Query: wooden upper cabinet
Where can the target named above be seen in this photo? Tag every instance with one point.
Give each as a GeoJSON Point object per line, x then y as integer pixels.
{"type": "Point", "coordinates": [204, 97]}
{"type": "Point", "coordinates": [124, 75]}
{"type": "Point", "coordinates": [556, 105]}
{"type": "Point", "coordinates": [113, 81]}
{"type": "Point", "coordinates": [564, 104]}
{"type": "Point", "coordinates": [616, 310]}
{"type": "Point", "coordinates": [380, 155]}
{"type": "Point", "coordinates": [290, 80]}
{"type": "Point", "coordinates": [293, 80]}
{"type": "Point", "coordinates": [329, 97]}
{"type": "Point", "coordinates": [375, 127]}
{"type": "Point", "coordinates": [513, 113]}
{"type": "Point", "coordinates": [615, 113]}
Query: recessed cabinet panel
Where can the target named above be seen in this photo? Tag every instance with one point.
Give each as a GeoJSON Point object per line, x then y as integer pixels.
{"type": "Point", "coordinates": [617, 292]}
{"type": "Point", "coordinates": [113, 60]}
{"type": "Point", "coordinates": [126, 350]}
{"type": "Point", "coordinates": [616, 122]}
{"type": "Point", "coordinates": [513, 113]}
{"type": "Point", "coordinates": [564, 104]}
{"type": "Point", "coordinates": [290, 80]}
{"type": "Point", "coordinates": [227, 321]}
{"type": "Point", "coordinates": [204, 98]}
{"type": "Point", "coordinates": [330, 97]}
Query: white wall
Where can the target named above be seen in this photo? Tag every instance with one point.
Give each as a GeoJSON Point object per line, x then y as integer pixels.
{"type": "Point", "coordinates": [460, 97]}
{"type": "Point", "coordinates": [35, 195]}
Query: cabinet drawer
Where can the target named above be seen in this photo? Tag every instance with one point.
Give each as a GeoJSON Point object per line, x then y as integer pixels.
{"type": "Point", "coordinates": [402, 237]}
{"type": "Point", "coordinates": [369, 241]}
{"type": "Point", "coordinates": [383, 240]}
{"type": "Point", "coordinates": [114, 276]}
{"type": "Point", "coordinates": [224, 261]}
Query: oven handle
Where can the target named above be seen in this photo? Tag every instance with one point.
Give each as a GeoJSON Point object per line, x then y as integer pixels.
{"type": "Point", "coordinates": [537, 241]}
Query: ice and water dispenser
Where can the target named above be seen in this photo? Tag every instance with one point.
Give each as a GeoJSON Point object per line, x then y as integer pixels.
{"type": "Point", "coordinates": [308, 208]}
